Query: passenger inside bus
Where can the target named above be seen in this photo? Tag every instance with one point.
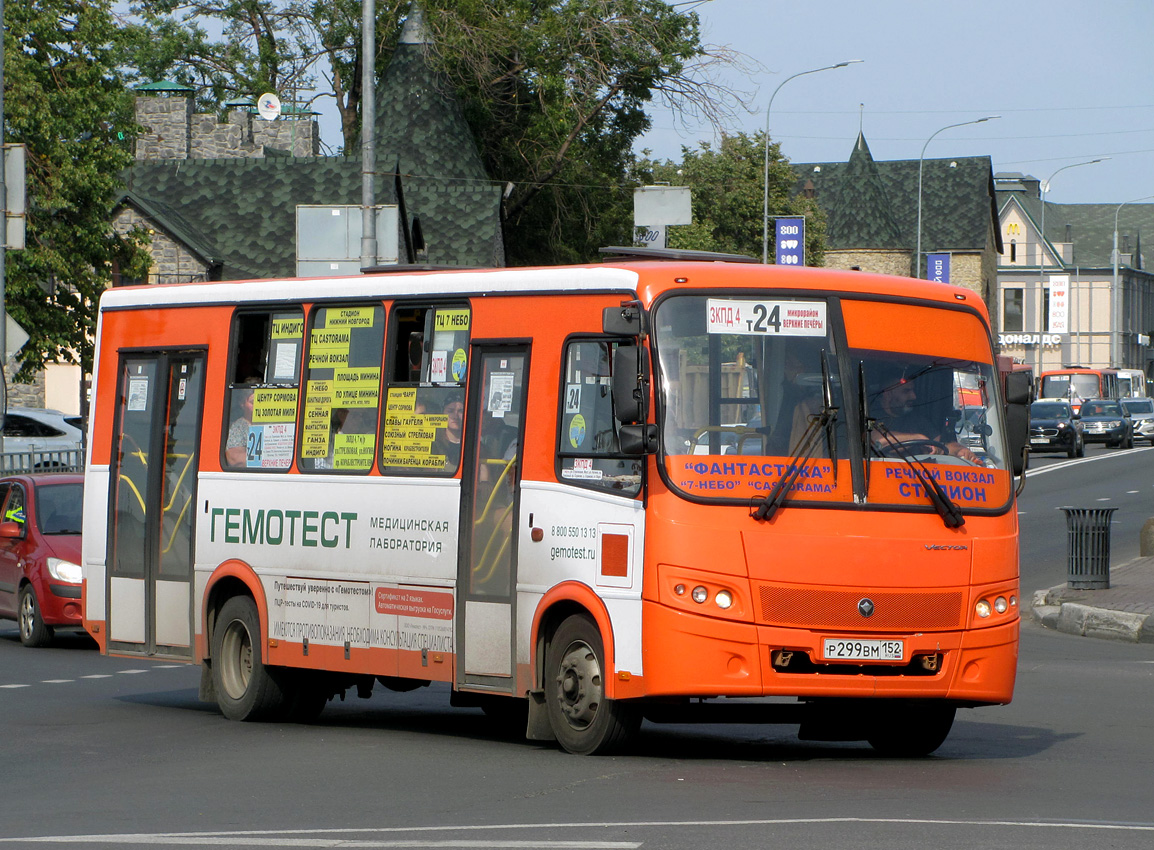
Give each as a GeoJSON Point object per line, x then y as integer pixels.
{"type": "Point", "coordinates": [236, 446]}
{"type": "Point", "coordinates": [919, 425]}
{"type": "Point", "coordinates": [448, 439]}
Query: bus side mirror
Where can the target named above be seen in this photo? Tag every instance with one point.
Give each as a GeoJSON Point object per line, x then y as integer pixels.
{"type": "Point", "coordinates": [1017, 388]}
{"type": "Point", "coordinates": [637, 440]}
{"type": "Point", "coordinates": [1018, 418]}
{"type": "Point", "coordinates": [630, 383]}
{"type": "Point", "coordinates": [626, 320]}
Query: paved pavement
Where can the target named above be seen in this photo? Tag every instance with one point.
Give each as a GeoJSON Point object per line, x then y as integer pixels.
{"type": "Point", "coordinates": [1123, 611]}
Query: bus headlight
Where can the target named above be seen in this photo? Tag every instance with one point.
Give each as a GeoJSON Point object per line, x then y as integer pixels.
{"type": "Point", "coordinates": [724, 599]}
{"type": "Point", "coordinates": [983, 608]}
{"type": "Point", "coordinates": [700, 594]}
{"type": "Point", "coordinates": [1000, 605]}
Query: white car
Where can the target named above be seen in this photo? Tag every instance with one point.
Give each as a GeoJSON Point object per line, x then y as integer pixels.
{"type": "Point", "coordinates": [30, 429]}
{"type": "Point", "coordinates": [1141, 412]}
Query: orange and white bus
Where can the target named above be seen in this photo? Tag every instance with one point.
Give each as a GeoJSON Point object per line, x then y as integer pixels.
{"type": "Point", "coordinates": [1078, 383]}
{"type": "Point", "coordinates": [583, 496]}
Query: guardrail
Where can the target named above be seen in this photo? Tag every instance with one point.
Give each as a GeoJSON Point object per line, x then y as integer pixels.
{"type": "Point", "coordinates": [19, 463]}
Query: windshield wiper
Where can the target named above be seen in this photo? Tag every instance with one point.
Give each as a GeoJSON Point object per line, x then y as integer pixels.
{"type": "Point", "coordinates": [947, 509]}
{"type": "Point", "coordinates": [819, 423]}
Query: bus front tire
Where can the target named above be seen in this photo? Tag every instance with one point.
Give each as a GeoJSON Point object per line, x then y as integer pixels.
{"type": "Point", "coordinates": [910, 730]}
{"type": "Point", "coordinates": [245, 688]}
{"type": "Point", "coordinates": [584, 721]}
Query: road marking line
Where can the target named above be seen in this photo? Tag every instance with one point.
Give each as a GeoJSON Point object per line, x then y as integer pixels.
{"type": "Point", "coordinates": [97, 676]}
{"type": "Point", "coordinates": [15, 686]}
{"type": "Point", "coordinates": [332, 837]}
{"type": "Point", "coordinates": [55, 681]}
{"type": "Point", "coordinates": [130, 672]}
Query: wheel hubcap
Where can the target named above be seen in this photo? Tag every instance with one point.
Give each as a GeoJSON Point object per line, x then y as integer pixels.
{"type": "Point", "coordinates": [236, 659]}
{"type": "Point", "coordinates": [27, 616]}
{"type": "Point", "coordinates": [579, 685]}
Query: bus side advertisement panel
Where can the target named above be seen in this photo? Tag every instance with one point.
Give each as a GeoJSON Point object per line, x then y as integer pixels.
{"type": "Point", "coordinates": [591, 538]}
{"type": "Point", "coordinates": [333, 560]}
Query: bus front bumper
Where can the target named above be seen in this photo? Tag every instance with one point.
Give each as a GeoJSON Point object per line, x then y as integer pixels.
{"type": "Point", "coordinates": [687, 655]}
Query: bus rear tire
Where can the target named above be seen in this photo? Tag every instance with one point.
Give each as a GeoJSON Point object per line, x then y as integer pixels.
{"type": "Point", "coordinates": [584, 721]}
{"type": "Point", "coordinates": [245, 688]}
{"type": "Point", "coordinates": [910, 730]}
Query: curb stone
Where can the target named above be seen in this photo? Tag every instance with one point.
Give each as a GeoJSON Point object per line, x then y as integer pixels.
{"type": "Point", "coordinates": [1077, 619]}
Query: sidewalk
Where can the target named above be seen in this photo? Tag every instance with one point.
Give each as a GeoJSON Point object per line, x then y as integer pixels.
{"type": "Point", "coordinates": [1123, 611]}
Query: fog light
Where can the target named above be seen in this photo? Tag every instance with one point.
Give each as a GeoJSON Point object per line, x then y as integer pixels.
{"type": "Point", "coordinates": [700, 594]}
{"type": "Point", "coordinates": [724, 599]}
{"type": "Point", "coordinates": [679, 589]}
{"type": "Point", "coordinates": [1000, 605]}
{"type": "Point", "coordinates": [983, 608]}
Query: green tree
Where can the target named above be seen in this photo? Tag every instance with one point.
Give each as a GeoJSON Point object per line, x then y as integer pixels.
{"type": "Point", "coordinates": [728, 185]}
{"type": "Point", "coordinates": [556, 93]}
{"type": "Point", "coordinates": [66, 104]}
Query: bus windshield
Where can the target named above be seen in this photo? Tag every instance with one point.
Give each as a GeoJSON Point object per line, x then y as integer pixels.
{"type": "Point", "coordinates": [752, 388]}
{"type": "Point", "coordinates": [1071, 385]}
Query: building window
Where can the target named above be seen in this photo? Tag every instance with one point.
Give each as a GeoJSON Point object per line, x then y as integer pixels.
{"type": "Point", "coordinates": [1013, 250]}
{"type": "Point", "coordinates": [1012, 312]}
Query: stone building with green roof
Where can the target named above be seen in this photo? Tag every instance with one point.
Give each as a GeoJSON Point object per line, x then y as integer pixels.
{"type": "Point", "coordinates": [219, 199]}
{"type": "Point", "coordinates": [872, 215]}
{"type": "Point", "coordinates": [1101, 325]}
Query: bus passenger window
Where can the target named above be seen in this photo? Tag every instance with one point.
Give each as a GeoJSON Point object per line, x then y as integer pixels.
{"type": "Point", "coordinates": [425, 400]}
{"type": "Point", "coordinates": [588, 451]}
{"type": "Point", "coordinates": [260, 429]}
{"type": "Point", "coordinates": [342, 388]}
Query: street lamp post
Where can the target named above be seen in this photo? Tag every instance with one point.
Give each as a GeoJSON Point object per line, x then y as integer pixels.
{"type": "Point", "coordinates": [921, 163]}
{"type": "Point", "coordinates": [765, 219]}
{"type": "Point", "coordinates": [1115, 292]}
{"type": "Point", "coordinates": [1043, 188]}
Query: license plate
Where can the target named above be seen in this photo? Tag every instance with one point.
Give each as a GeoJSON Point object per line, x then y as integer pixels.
{"type": "Point", "coordinates": [1039, 440]}
{"type": "Point", "coordinates": [845, 649]}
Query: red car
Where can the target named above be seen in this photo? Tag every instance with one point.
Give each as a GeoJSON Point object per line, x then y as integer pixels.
{"type": "Point", "coordinates": [40, 553]}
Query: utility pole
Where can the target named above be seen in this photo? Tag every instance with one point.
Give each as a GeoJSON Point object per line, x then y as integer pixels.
{"type": "Point", "coordinates": [368, 135]}
{"type": "Point", "coordinates": [3, 249]}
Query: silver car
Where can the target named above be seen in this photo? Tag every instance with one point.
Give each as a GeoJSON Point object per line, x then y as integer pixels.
{"type": "Point", "coordinates": [38, 439]}
{"type": "Point", "coordinates": [1141, 412]}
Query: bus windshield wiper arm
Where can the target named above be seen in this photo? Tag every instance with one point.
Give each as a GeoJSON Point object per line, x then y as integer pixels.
{"type": "Point", "coordinates": [947, 509]}
{"type": "Point", "coordinates": [819, 423]}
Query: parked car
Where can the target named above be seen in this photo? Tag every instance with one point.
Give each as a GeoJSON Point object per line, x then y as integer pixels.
{"type": "Point", "coordinates": [38, 439]}
{"type": "Point", "coordinates": [1104, 421]}
{"type": "Point", "coordinates": [40, 553]}
{"type": "Point", "coordinates": [1054, 427]}
{"type": "Point", "coordinates": [1141, 412]}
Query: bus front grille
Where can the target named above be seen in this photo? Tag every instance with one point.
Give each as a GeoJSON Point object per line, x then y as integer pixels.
{"type": "Point", "coordinates": [890, 610]}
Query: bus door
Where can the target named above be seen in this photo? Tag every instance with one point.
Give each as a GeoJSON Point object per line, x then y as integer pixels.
{"type": "Point", "coordinates": [153, 503]}
{"type": "Point", "coordinates": [490, 505]}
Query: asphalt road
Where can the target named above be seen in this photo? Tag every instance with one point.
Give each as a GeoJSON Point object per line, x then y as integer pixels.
{"type": "Point", "coordinates": [1105, 478]}
{"type": "Point", "coordinates": [102, 752]}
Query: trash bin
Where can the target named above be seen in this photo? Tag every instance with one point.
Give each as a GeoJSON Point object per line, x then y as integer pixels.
{"type": "Point", "coordinates": [1088, 547]}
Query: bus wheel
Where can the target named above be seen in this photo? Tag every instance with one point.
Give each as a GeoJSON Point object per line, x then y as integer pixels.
{"type": "Point", "coordinates": [245, 688]}
{"type": "Point", "coordinates": [584, 721]}
{"type": "Point", "coordinates": [910, 730]}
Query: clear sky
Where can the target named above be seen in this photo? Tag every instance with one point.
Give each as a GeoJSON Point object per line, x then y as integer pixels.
{"type": "Point", "coordinates": [1073, 80]}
